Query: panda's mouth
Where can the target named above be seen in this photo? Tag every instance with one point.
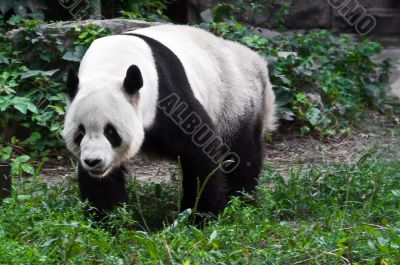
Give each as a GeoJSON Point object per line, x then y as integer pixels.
{"type": "Point", "coordinates": [99, 173]}
{"type": "Point", "coordinates": [96, 172]}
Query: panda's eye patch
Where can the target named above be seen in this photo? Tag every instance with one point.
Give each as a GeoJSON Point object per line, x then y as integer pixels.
{"type": "Point", "coordinates": [80, 133]}
{"type": "Point", "coordinates": [112, 135]}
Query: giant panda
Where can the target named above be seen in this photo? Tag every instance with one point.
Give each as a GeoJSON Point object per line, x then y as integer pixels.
{"type": "Point", "coordinates": [172, 92]}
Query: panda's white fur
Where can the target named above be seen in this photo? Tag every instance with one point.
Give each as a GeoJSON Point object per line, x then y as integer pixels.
{"type": "Point", "coordinates": [100, 99]}
{"type": "Point", "coordinates": [226, 93]}
{"type": "Point", "coordinates": [105, 63]}
{"type": "Point", "coordinates": [226, 84]}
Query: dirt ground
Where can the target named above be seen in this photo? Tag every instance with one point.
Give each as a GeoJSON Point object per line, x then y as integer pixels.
{"type": "Point", "coordinates": [377, 132]}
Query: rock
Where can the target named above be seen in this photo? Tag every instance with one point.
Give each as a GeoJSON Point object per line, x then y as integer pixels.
{"type": "Point", "coordinates": [391, 51]}
{"type": "Point", "coordinates": [287, 54]}
{"type": "Point", "coordinates": [387, 21]}
{"type": "Point", "coordinates": [63, 30]}
{"type": "Point", "coordinates": [316, 99]}
{"type": "Point", "coordinates": [196, 7]}
{"type": "Point", "coordinates": [366, 16]}
{"type": "Point", "coordinates": [117, 26]}
{"type": "Point", "coordinates": [374, 3]}
{"type": "Point", "coordinates": [395, 88]}
{"type": "Point", "coordinates": [207, 16]}
{"type": "Point", "coordinates": [309, 14]}
{"type": "Point", "coordinates": [267, 33]}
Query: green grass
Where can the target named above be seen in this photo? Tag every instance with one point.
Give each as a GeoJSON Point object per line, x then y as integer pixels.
{"type": "Point", "coordinates": [332, 214]}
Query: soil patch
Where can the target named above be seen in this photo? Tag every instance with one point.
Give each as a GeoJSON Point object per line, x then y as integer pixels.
{"type": "Point", "coordinates": [288, 149]}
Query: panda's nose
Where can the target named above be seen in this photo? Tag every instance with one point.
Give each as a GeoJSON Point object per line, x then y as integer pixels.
{"type": "Point", "coordinates": [92, 162]}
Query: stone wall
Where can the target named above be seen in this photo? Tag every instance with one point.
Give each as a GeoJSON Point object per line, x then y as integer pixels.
{"type": "Point", "coordinates": [308, 14]}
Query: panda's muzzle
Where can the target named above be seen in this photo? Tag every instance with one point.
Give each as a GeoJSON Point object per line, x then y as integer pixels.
{"type": "Point", "coordinates": [92, 162]}
{"type": "Point", "coordinates": [96, 155]}
{"type": "Point", "coordinates": [94, 167]}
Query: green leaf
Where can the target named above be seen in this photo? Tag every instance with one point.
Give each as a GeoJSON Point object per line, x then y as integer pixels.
{"type": "Point", "coordinates": [286, 114]}
{"type": "Point", "coordinates": [27, 168]}
{"type": "Point", "coordinates": [305, 129]}
{"type": "Point", "coordinates": [222, 11]}
{"type": "Point", "coordinates": [372, 91]}
{"type": "Point", "coordinates": [101, 243]}
{"type": "Point", "coordinates": [49, 242]}
{"type": "Point", "coordinates": [300, 96]}
{"type": "Point", "coordinates": [55, 126]}
{"type": "Point", "coordinates": [83, 35]}
{"type": "Point", "coordinates": [76, 55]}
{"type": "Point", "coordinates": [197, 233]}
{"type": "Point", "coordinates": [6, 154]}
{"type": "Point", "coordinates": [32, 108]}
{"type": "Point", "coordinates": [24, 197]}
{"type": "Point", "coordinates": [21, 159]}
{"type": "Point", "coordinates": [58, 109]}
{"type": "Point", "coordinates": [313, 116]}
{"type": "Point", "coordinates": [33, 138]}
{"type": "Point", "coordinates": [5, 102]}
{"type": "Point", "coordinates": [31, 73]}
{"type": "Point", "coordinates": [285, 80]}
{"type": "Point", "coordinates": [213, 236]}
{"type": "Point", "coordinates": [21, 103]}
{"type": "Point", "coordinates": [22, 107]}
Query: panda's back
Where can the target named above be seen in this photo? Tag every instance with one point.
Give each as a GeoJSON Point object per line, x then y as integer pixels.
{"type": "Point", "coordinates": [228, 79]}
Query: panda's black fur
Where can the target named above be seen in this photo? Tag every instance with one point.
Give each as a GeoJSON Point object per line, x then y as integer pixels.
{"type": "Point", "coordinates": [166, 139]}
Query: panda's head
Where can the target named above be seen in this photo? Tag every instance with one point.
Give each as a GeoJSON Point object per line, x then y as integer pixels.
{"type": "Point", "coordinates": [103, 126]}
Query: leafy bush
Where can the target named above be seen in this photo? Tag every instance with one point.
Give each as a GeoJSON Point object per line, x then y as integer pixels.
{"type": "Point", "coordinates": [314, 84]}
{"type": "Point", "coordinates": [138, 9]}
{"type": "Point", "coordinates": [32, 101]}
{"type": "Point", "coordinates": [249, 11]}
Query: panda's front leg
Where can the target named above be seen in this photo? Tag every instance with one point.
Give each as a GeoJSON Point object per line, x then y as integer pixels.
{"type": "Point", "coordinates": [103, 193]}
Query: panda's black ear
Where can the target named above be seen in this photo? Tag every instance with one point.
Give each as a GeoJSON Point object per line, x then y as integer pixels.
{"type": "Point", "coordinates": [72, 83]}
{"type": "Point", "coordinates": [133, 80]}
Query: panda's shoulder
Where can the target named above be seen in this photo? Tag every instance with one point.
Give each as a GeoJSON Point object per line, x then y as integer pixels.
{"type": "Point", "coordinates": [175, 33]}
{"type": "Point", "coordinates": [171, 28]}
{"type": "Point", "coordinates": [112, 40]}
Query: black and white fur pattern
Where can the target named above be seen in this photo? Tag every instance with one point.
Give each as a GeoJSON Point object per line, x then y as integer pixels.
{"type": "Point", "coordinates": [112, 111]}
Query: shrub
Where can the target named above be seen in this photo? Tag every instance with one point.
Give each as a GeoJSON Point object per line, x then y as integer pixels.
{"type": "Point", "coordinates": [249, 11]}
{"type": "Point", "coordinates": [325, 84]}
{"type": "Point", "coordinates": [32, 101]}
{"type": "Point", "coordinates": [138, 9]}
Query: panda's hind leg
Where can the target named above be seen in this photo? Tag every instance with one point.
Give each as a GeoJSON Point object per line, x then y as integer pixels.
{"type": "Point", "coordinates": [247, 145]}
